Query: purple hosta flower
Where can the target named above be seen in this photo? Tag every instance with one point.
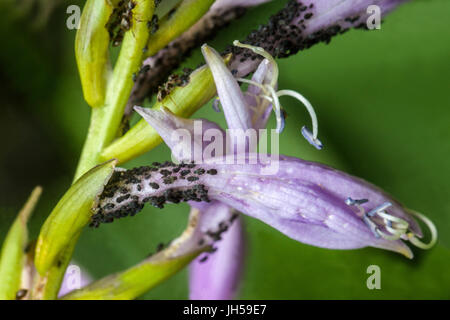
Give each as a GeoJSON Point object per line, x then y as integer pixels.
{"type": "Point", "coordinates": [263, 87]}
{"type": "Point", "coordinates": [306, 201]}
{"type": "Point", "coordinates": [303, 23]}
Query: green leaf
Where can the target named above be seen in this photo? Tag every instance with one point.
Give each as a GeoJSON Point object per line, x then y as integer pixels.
{"type": "Point", "coordinates": [70, 215]}
{"type": "Point", "coordinates": [13, 255]}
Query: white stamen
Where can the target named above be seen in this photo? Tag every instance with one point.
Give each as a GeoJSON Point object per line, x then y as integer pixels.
{"type": "Point", "coordinates": [430, 225]}
{"type": "Point", "coordinates": [265, 54]}
{"type": "Point", "coordinates": [254, 83]}
{"type": "Point", "coordinates": [277, 108]}
{"type": "Point", "coordinates": [308, 106]}
{"type": "Point", "coordinates": [269, 93]}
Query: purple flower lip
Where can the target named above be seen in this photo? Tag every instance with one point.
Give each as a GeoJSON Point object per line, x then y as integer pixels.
{"type": "Point", "coordinates": [306, 201]}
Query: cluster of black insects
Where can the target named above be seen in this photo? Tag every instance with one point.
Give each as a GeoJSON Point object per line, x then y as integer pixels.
{"type": "Point", "coordinates": [172, 82]}
{"type": "Point", "coordinates": [120, 199]}
{"type": "Point", "coordinates": [121, 20]}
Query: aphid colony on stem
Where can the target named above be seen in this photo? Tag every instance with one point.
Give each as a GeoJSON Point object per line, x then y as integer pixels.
{"type": "Point", "coordinates": [120, 21]}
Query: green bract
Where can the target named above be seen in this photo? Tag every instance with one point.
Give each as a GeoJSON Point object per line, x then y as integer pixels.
{"type": "Point", "coordinates": [13, 255]}
{"type": "Point", "coordinates": [70, 215]}
{"type": "Point", "coordinates": [92, 51]}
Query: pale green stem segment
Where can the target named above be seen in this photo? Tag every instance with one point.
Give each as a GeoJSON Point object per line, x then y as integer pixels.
{"type": "Point", "coordinates": [105, 120]}
{"type": "Point", "coordinates": [70, 215]}
{"type": "Point", "coordinates": [46, 287]}
{"type": "Point", "coordinates": [186, 14]}
{"type": "Point", "coordinates": [182, 101]}
{"type": "Point", "coordinates": [92, 51]}
{"type": "Point", "coordinates": [13, 255]}
{"type": "Point", "coordinates": [134, 281]}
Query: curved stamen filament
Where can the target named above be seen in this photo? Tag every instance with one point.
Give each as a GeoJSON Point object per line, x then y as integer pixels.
{"type": "Point", "coordinates": [265, 54]}
{"type": "Point", "coordinates": [277, 108]}
{"type": "Point", "coordinates": [254, 83]}
{"type": "Point", "coordinates": [312, 138]}
{"type": "Point", "coordinates": [271, 95]}
{"type": "Point", "coordinates": [434, 234]}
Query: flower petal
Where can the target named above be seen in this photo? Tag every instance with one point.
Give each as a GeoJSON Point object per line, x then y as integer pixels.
{"type": "Point", "coordinates": [235, 107]}
{"type": "Point", "coordinates": [261, 108]}
{"type": "Point", "coordinates": [217, 278]}
{"type": "Point", "coordinates": [175, 131]}
{"type": "Point", "coordinates": [74, 278]}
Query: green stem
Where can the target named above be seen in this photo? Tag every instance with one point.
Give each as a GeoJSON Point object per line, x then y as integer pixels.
{"type": "Point", "coordinates": [105, 121]}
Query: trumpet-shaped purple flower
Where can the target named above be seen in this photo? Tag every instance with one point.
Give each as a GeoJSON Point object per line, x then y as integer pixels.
{"type": "Point", "coordinates": [306, 201]}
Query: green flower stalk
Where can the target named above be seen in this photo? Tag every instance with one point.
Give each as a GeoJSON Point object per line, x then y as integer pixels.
{"type": "Point", "coordinates": [178, 20]}
{"type": "Point", "coordinates": [105, 120]}
{"type": "Point", "coordinates": [182, 101]}
{"type": "Point", "coordinates": [13, 255]}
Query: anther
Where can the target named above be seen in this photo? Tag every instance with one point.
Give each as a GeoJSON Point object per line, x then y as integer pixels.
{"type": "Point", "coordinates": [310, 137]}
{"type": "Point", "coordinates": [216, 104]}
{"type": "Point", "coordinates": [351, 202]}
{"type": "Point", "coordinates": [379, 209]}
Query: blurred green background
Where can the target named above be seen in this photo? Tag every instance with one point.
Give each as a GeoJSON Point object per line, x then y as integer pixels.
{"type": "Point", "coordinates": [382, 99]}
